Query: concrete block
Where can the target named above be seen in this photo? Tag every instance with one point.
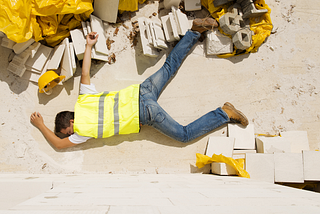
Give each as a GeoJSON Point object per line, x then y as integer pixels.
{"type": "Point", "coordinates": [241, 153]}
{"type": "Point", "coordinates": [73, 59]}
{"type": "Point", "coordinates": [311, 165]}
{"type": "Point", "coordinates": [191, 5]}
{"type": "Point", "coordinates": [107, 10]}
{"type": "Point", "coordinates": [174, 26]}
{"type": "Point", "coordinates": [7, 43]}
{"type": "Point", "coordinates": [242, 39]}
{"type": "Point", "coordinates": [88, 27]}
{"type": "Point", "coordinates": [33, 48]}
{"type": "Point", "coordinates": [56, 57]}
{"type": "Point", "coordinates": [22, 57]}
{"type": "Point", "coordinates": [148, 50]}
{"type": "Point", "coordinates": [66, 63]}
{"type": "Point", "coordinates": [272, 144]}
{"type": "Point", "coordinates": [159, 39]}
{"type": "Point", "coordinates": [249, 10]}
{"type": "Point", "coordinates": [167, 28]}
{"type": "Point", "coordinates": [222, 169]}
{"type": "Point", "coordinates": [217, 43]}
{"type": "Point", "coordinates": [98, 56]}
{"type": "Point", "coordinates": [288, 167]}
{"type": "Point", "coordinates": [37, 62]}
{"type": "Point", "coordinates": [171, 3]}
{"type": "Point", "coordinates": [244, 136]}
{"type": "Point", "coordinates": [31, 76]}
{"type": "Point", "coordinates": [150, 35]}
{"type": "Point", "coordinates": [181, 21]}
{"type": "Point", "coordinates": [298, 140]}
{"type": "Point", "coordinates": [84, 28]}
{"type": "Point", "coordinates": [218, 3]}
{"type": "Point", "coordinates": [18, 48]}
{"type": "Point", "coordinates": [79, 42]}
{"type": "Point", "coordinates": [16, 67]}
{"type": "Point", "coordinates": [230, 23]}
{"type": "Point", "coordinates": [220, 145]}
{"type": "Point", "coordinates": [97, 26]}
{"type": "Point", "coordinates": [260, 166]}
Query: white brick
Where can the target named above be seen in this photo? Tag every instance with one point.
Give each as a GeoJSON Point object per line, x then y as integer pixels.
{"type": "Point", "coordinates": [272, 144]}
{"type": "Point", "coordinates": [79, 42]}
{"type": "Point", "coordinates": [167, 28]}
{"type": "Point", "coordinates": [56, 57]}
{"type": "Point", "coordinates": [147, 49]}
{"type": "Point", "coordinates": [88, 27]}
{"type": "Point", "coordinates": [159, 39]}
{"type": "Point", "coordinates": [18, 48]}
{"type": "Point", "coordinates": [171, 3]}
{"type": "Point", "coordinates": [84, 28]}
{"type": "Point", "coordinates": [73, 59]}
{"type": "Point", "coordinates": [244, 136]}
{"type": "Point", "coordinates": [217, 43]}
{"type": "Point", "coordinates": [298, 140]}
{"type": "Point", "coordinates": [22, 57]}
{"type": "Point", "coordinates": [31, 76]}
{"type": "Point", "coordinates": [37, 62]}
{"type": "Point", "coordinates": [311, 165]}
{"type": "Point", "coordinates": [98, 56]}
{"type": "Point", "coordinates": [17, 68]}
{"type": "Point", "coordinates": [182, 21]}
{"type": "Point", "coordinates": [191, 5]}
{"type": "Point", "coordinates": [220, 145]}
{"type": "Point", "coordinates": [288, 167]}
{"type": "Point", "coordinates": [241, 153]}
{"type": "Point", "coordinates": [34, 48]}
{"type": "Point", "coordinates": [222, 169]}
{"type": "Point", "coordinates": [66, 64]}
{"type": "Point", "coordinates": [107, 10]}
{"type": "Point", "coordinates": [260, 166]}
{"type": "Point", "coordinates": [174, 26]}
{"type": "Point", "coordinates": [97, 26]}
{"type": "Point", "coordinates": [7, 43]}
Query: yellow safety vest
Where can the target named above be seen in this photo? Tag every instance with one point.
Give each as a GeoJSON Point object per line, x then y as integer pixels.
{"type": "Point", "coordinates": [107, 113]}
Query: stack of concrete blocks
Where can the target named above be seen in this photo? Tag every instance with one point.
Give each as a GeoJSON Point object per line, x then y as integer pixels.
{"type": "Point", "coordinates": [224, 146]}
{"type": "Point", "coordinates": [232, 23]}
{"type": "Point", "coordinates": [282, 157]}
{"type": "Point", "coordinates": [247, 6]}
{"type": "Point", "coordinates": [217, 43]}
{"type": "Point", "coordinates": [100, 50]}
{"type": "Point", "coordinates": [175, 24]}
{"type": "Point", "coordinates": [152, 37]}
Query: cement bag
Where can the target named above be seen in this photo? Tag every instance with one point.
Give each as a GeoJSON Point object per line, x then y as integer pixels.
{"type": "Point", "coordinates": [129, 5]}
{"type": "Point", "coordinates": [261, 26]}
{"type": "Point", "coordinates": [202, 160]}
{"type": "Point", "coordinates": [21, 20]}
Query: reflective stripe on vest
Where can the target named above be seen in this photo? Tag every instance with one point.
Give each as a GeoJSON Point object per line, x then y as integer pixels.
{"type": "Point", "coordinates": [108, 113]}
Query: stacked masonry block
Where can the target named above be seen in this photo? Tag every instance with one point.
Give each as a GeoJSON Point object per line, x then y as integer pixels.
{"type": "Point", "coordinates": [32, 59]}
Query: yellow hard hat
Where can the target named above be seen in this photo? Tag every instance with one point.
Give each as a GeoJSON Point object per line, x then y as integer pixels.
{"type": "Point", "coordinates": [48, 80]}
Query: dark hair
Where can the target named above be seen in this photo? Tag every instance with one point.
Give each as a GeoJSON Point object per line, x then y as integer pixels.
{"type": "Point", "coordinates": [62, 120]}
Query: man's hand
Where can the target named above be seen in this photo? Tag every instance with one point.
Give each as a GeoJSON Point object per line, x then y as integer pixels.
{"type": "Point", "coordinates": [36, 119]}
{"type": "Point", "coordinates": [92, 38]}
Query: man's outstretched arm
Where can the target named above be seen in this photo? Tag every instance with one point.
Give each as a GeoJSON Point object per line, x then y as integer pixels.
{"type": "Point", "coordinates": [86, 64]}
{"type": "Point", "coordinates": [37, 120]}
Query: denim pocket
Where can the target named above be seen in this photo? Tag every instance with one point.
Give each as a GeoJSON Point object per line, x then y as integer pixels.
{"type": "Point", "coordinates": [146, 87]}
{"type": "Point", "coordinates": [155, 114]}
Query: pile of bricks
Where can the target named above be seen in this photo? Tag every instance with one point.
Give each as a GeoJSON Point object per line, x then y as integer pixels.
{"type": "Point", "coordinates": [280, 159]}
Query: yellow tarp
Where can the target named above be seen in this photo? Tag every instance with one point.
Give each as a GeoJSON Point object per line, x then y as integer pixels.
{"type": "Point", "coordinates": [261, 26]}
{"type": "Point", "coordinates": [129, 5]}
{"type": "Point", "coordinates": [203, 160]}
{"type": "Point", "coordinates": [51, 20]}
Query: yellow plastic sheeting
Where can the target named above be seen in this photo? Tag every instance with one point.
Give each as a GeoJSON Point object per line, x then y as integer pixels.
{"type": "Point", "coordinates": [261, 26]}
{"type": "Point", "coordinates": [129, 5]}
{"type": "Point", "coordinates": [21, 20]}
{"type": "Point", "coordinates": [203, 160]}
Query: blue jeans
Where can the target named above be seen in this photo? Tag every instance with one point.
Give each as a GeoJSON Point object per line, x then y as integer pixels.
{"type": "Point", "coordinates": [152, 114]}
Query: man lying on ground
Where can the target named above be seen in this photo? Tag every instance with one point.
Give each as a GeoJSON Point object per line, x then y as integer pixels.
{"type": "Point", "coordinates": [101, 115]}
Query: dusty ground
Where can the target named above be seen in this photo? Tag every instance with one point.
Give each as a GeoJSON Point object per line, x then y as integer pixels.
{"type": "Point", "coordinates": [277, 88]}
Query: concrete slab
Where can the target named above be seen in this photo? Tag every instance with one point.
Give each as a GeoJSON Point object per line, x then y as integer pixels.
{"type": "Point", "coordinates": [97, 26]}
{"type": "Point", "coordinates": [217, 43]}
{"type": "Point", "coordinates": [220, 145]}
{"type": "Point", "coordinates": [18, 48]}
{"type": "Point", "coordinates": [311, 165]}
{"type": "Point", "coordinates": [37, 62]}
{"type": "Point", "coordinates": [288, 167]}
{"type": "Point", "coordinates": [272, 144]}
{"type": "Point", "coordinates": [66, 63]}
{"type": "Point", "coordinates": [56, 57]}
{"type": "Point", "coordinates": [260, 166]}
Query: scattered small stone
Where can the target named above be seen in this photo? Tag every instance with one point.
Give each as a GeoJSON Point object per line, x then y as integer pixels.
{"type": "Point", "coordinates": [116, 31]}
{"type": "Point", "coordinates": [44, 166]}
{"type": "Point", "coordinates": [125, 26]}
{"type": "Point", "coordinates": [112, 58]}
{"type": "Point", "coordinates": [154, 14]}
{"type": "Point", "coordinates": [109, 42]}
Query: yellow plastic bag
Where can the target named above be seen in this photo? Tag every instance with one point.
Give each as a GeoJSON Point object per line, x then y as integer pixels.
{"type": "Point", "coordinates": [203, 160]}
{"type": "Point", "coordinates": [261, 26]}
{"type": "Point", "coordinates": [21, 20]}
{"type": "Point", "coordinates": [129, 5]}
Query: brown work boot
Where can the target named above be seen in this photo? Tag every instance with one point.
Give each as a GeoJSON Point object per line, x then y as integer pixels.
{"type": "Point", "coordinates": [202, 25]}
{"type": "Point", "coordinates": [234, 114]}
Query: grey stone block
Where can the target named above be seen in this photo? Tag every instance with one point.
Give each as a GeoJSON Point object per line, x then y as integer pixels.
{"type": "Point", "coordinates": [249, 10]}
{"type": "Point", "coordinates": [218, 3]}
{"type": "Point", "coordinates": [230, 23]}
{"type": "Point", "coordinates": [242, 39]}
